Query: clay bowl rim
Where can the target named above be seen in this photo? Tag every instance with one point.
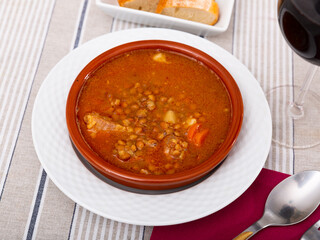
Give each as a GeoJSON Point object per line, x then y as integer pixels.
{"type": "Point", "coordinates": [153, 182]}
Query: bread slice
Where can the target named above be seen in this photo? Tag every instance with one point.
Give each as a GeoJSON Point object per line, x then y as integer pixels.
{"type": "Point", "coordinates": [203, 11]}
{"type": "Point", "coordinates": [145, 5]}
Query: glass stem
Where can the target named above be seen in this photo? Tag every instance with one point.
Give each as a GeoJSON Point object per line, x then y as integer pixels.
{"type": "Point", "coordinates": [296, 107]}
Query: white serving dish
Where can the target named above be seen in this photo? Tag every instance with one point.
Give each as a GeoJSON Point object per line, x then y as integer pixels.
{"type": "Point", "coordinates": [227, 183]}
{"type": "Point", "coordinates": [112, 8]}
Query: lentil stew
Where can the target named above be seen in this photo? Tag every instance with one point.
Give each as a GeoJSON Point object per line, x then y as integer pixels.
{"type": "Point", "coordinates": [154, 114]}
{"type": "Point", "coordinates": [152, 111]}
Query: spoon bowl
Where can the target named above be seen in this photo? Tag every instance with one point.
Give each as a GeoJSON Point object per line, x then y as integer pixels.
{"type": "Point", "coordinates": [290, 202]}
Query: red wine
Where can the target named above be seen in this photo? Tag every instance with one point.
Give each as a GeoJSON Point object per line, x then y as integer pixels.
{"type": "Point", "coordinates": [300, 24]}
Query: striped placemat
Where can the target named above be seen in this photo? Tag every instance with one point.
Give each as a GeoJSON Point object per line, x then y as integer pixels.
{"type": "Point", "coordinates": [35, 35]}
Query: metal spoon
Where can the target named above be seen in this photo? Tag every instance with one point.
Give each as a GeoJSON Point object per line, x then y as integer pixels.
{"type": "Point", "coordinates": [290, 202]}
{"type": "Point", "coordinates": [313, 233]}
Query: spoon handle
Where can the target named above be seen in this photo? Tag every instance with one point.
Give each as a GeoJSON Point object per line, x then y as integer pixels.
{"type": "Point", "coordinates": [312, 233]}
{"type": "Point", "coordinates": [250, 231]}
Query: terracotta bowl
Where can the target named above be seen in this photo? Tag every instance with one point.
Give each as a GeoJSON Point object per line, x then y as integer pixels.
{"type": "Point", "coordinates": [153, 182]}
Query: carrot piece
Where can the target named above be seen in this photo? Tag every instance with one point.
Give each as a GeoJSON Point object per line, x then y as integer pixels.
{"type": "Point", "coordinates": [199, 137]}
{"type": "Point", "coordinates": [192, 130]}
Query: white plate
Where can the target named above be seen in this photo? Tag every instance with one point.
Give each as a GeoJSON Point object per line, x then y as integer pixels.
{"type": "Point", "coordinates": [111, 7]}
{"type": "Point", "coordinates": [232, 178]}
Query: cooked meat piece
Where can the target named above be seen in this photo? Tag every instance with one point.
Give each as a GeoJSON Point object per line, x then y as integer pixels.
{"type": "Point", "coordinates": [95, 123]}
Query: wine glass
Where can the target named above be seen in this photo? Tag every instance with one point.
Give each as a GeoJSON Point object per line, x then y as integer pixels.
{"type": "Point", "coordinates": [299, 21]}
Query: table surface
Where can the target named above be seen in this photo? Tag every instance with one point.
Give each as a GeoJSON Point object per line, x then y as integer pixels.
{"type": "Point", "coordinates": [35, 35]}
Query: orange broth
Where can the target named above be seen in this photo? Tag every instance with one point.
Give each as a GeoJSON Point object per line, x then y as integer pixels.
{"type": "Point", "coordinates": [154, 112]}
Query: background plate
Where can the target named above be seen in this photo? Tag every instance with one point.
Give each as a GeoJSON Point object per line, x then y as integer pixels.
{"type": "Point", "coordinates": [112, 8]}
{"type": "Point", "coordinates": [232, 178]}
